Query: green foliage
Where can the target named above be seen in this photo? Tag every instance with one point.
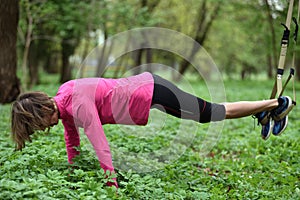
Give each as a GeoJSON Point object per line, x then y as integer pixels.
{"type": "Point", "coordinates": [240, 166]}
{"type": "Point", "coordinates": [240, 39]}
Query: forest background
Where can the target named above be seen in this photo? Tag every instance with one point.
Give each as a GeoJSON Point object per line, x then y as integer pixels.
{"type": "Point", "coordinates": [43, 43]}
{"type": "Point", "coordinates": [55, 36]}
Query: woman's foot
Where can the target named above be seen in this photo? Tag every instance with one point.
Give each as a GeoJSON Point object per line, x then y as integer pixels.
{"type": "Point", "coordinates": [266, 123]}
{"type": "Point", "coordinates": [275, 120]}
{"type": "Point", "coordinates": [280, 114]}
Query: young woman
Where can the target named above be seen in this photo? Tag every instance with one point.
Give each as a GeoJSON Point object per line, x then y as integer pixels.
{"type": "Point", "coordinates": [92, 102]}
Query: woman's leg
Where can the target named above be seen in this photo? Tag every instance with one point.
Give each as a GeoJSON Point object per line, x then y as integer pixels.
{"type": "Point", "coordinates": [170, 99]}
{"type": "Point", "coordinates": [246, 108]}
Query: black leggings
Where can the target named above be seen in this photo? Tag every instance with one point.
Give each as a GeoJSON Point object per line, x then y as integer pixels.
{"type": "Point", "coordinates": [170, 99]}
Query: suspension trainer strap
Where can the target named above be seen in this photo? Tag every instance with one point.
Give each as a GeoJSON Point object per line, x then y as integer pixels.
{"type": "Point", "coordinates": [296, 21]}
{"type": "Point", "coordinates": [292, 70]}
{"type": "Point", "coordinates": [295, 39]}
{"type": "Point", "coordinates": [284, 45]}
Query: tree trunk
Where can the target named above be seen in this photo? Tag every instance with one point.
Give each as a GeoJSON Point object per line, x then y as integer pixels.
{"type": "Point", "coordinates": [297, 63]}
{"type": "Point", "coordinates": [270, 65]}
{"type": "Point", "coordinates": [33, 64]}
{"type": "Point", "coordinates": [28, 40]}
{"type": "Point", "coordinates": [101, 60]}
{"type": "Point", "coordinates": [123, 61]}
{"type": "Point", "coordinates": [84, 55]}
{"type": "Point", "coordinates": [205, 21]}
{"type": "Point", "coordinates": [138, 61]}
{"type": "Point", "coordinates": [148, 53]}
{"type": "Point", "coordinates": [149, 60]}
{"type": "Point", "coordinates": [9, 83]}
{"type": "Point", "coordinates": [273, 59]}
{"type": "Point", "coordinates": [52, 62]}
{"type": "Point", "coordinates": [67, 51]}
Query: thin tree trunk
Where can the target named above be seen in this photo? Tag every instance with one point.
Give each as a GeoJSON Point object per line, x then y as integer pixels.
{"type": "Point", "coordinates": [9, 83]}
{"type": "Point", "coordinates": [33, 64]}
{"type": "Point", "coordinates": [122, 64]}
{"type": "Point", "coordinates": [67, 51]}
{"type": "Point", "coordinates": [26, 48]}
{"type": "Point", "coordinates": [201, 34]}
{"type": "Point", "coordinates": [101, 59]}
{"type": "Point", "coordinates": [149, 60]}
{"type": "Point", "coordinates": [273, 60]}
{"type": "Point", "coordinates": [148, 53]}
{"type": "Point", "coordinates": [270, 65]}
{"type": "Point", "coordinates": [297, 63]}
{"type": "Point", "coordinates": [150, 5]}
{"type": "Point", "coordinates": [50, 58]}
{"type": "Point", "coordinates": [84, 54]}
{"type": "Point", "coordinates": [137, 61]}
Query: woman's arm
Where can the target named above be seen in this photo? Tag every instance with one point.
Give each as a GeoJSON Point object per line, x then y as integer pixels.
{"type": "Point", "coordinates": [72, 140]}
{"type": "Point", "coordinates": [89, 118]}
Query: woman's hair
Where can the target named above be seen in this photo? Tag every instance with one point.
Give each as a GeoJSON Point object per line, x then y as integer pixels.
{"type": "Point", "coordinates": [29, 113]}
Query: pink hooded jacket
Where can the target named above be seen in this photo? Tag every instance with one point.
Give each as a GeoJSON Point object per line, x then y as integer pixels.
{"type": "Point", "coordinates": [91, 102]}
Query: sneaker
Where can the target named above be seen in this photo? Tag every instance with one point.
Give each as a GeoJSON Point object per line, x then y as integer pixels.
{"type": "Point", "coordinates": [284, 107]}
{"type": "Point", "coordinates": [280, 114]}
{"type": "Point", "coordinates": [266, 123]}
{"type": "Point", "coordinates": [279, 126]}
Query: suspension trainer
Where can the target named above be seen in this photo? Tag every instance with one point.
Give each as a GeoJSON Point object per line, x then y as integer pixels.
{"type": "Point", "coordinates": [278, 88]}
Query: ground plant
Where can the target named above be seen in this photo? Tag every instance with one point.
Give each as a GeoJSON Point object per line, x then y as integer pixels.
{"type": "Point", "coordinates": [240, 166]}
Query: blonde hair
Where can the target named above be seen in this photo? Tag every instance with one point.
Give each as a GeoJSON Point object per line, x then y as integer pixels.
{"type": "Point", "coordinates": [29, 113]}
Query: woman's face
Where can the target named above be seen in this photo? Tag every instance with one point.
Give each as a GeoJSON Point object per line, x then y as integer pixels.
{"type": "Point", "coordinates": [51, 121]}
{"type": "Point", "coordinates": [54, 119]}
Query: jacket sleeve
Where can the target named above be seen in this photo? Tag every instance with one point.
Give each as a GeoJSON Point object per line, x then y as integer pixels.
{"type": "Point", "coordinates": [89, 118]}
{"type": "Point", "coordinates": [72, 140]}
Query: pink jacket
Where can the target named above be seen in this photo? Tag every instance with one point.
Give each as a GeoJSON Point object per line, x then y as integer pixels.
{"type": "Point", "coordinates": [91, 102]}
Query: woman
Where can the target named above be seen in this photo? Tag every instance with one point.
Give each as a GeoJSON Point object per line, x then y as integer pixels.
{"type": "Point", "coordinates": [92, 102]}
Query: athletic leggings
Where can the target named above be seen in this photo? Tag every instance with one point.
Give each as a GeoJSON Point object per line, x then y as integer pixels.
{"type": "Point", "coordinates": [170, 99]}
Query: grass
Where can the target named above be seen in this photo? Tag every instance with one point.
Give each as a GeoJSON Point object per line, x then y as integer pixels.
{"type": "Point", "coordinates": [158, 161]}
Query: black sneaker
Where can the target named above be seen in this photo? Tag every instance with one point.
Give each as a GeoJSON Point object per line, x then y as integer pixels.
{"type": "Point", "coordinates": [279, 126]}
{"type": "Point", "coordinates": [266, 123]}
{"type": "Point", "coordinates": [280, 114]}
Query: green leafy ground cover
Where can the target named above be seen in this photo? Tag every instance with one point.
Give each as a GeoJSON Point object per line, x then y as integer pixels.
{"type": "Point", "coordinates": [240, 166]}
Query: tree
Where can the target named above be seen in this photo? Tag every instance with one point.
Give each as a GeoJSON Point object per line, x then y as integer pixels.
{"type": "Point", "coordinates": [297, 63]}
{"type": "Point", "coordinates": [205, 20]}
{"type": "Point", "coordinates": [34, 14]}
{"type": "Point", "coordinates": [9, 83]}
{"type": "Point", "coordinates": [243, 39]}
{"type": "Point", "coordinates": [149, 8]}
{"type": "Point", "coordinates": [51, 31]}
{"type": "Point", "coordinates": [272, 56]}
{"type": "Point", "coordinates": [70, 27]}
